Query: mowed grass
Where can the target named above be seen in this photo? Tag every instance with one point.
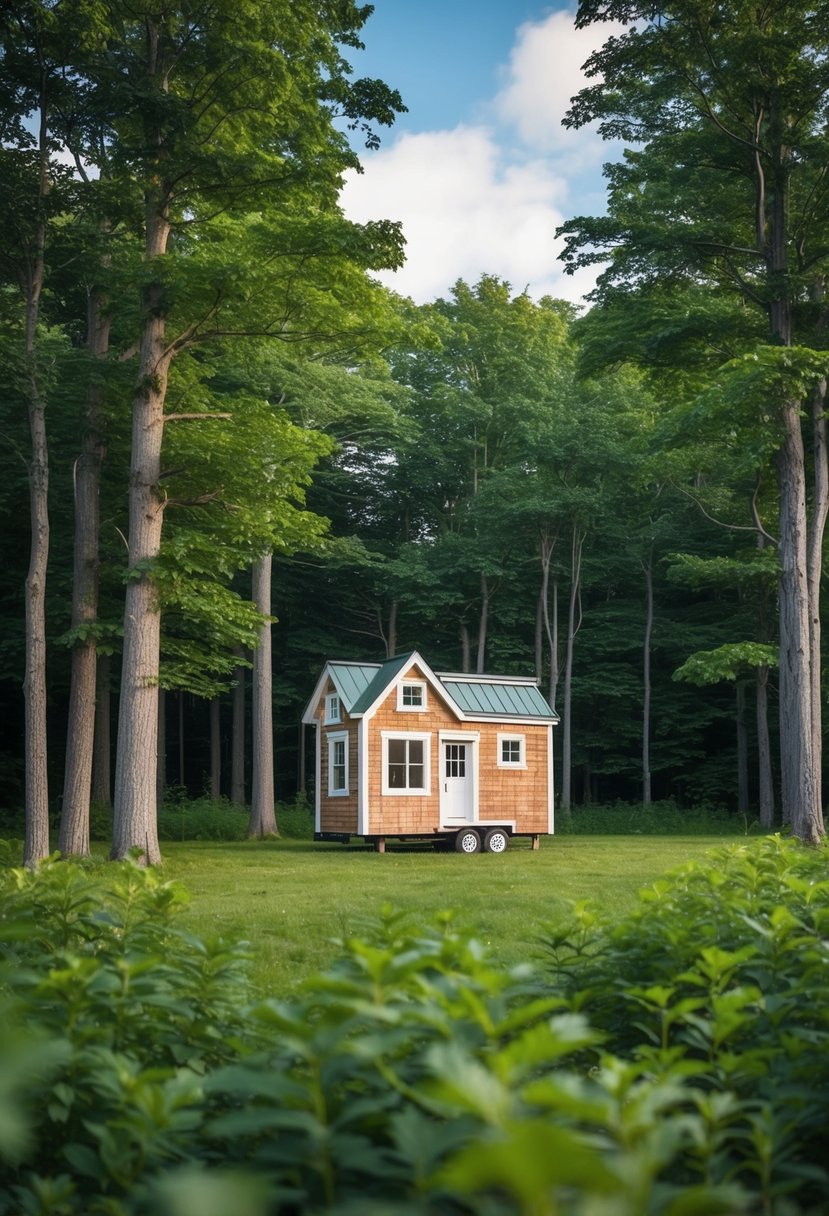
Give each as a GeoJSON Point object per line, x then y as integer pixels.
{"type": "Point", "coordinates": [291, 900]}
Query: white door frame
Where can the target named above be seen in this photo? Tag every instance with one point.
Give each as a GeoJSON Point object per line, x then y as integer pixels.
{"type": "Point", "coordinates": [471, 738]}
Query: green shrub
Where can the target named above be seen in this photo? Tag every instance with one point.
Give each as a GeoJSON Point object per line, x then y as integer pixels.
{"type": "Point", "coordinates": [658, 819]}
{"type": "Point", "coordinates": [672, 1065]}
{"type": "Point", "coordinates": [206, 819]}
{"type": "Point", "coordinates": [202, 819]}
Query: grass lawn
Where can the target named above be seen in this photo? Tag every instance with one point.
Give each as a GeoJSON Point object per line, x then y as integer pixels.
{"type": "Point", "coordinates": [291, 898]}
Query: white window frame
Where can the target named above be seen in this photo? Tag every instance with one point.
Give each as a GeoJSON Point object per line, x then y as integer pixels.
{"type": "Point", "coordinates": [334, 737]}
{"type": "Point", "coordinates": [333, 708]}
{"type": "Point", "coordinates": [412, 709]}
{"type": "Point", "coordinates": [426, 739]}
{"type": "Point", "coordinates": [521, 762]}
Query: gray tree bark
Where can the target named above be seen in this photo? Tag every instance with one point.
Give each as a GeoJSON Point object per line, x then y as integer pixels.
{"type": "Point", "coordinates": [262, 809]}
{"type": "Point", "coordinates": [764, 773]}
{"type": "Point", "coordinates": [799, 787]}
{"type": "Point", "coordinates": [80, 742]}
{"type": "Point", "coordinates": [36, 844]}
{"type": "Point", "coordinates": [237, 754]}
{"type": "Point", "coordinates": [573, 626]}
{"type": "Point", "coordinates": [102, 749]}
{"type": "Point", "coordinates": [134, 820]}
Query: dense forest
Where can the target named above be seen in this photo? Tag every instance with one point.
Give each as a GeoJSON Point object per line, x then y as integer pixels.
{"type": "Point", "coordinates": [229, 454]}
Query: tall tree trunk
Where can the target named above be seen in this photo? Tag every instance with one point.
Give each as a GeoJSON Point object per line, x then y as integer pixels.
{"type": "Point", "coordinates": [573, 626]}
{"type": "Point", "coordinates": [798, 785]}
{"type": "Point", "coordinates": [237, 753]}
{"type": "Point", "coordinates": [646, 683]}
{"type": "Point", "coordinates": [538, 636]}
{"type": "Point", "coordinates": [548, 544]}
{"type": "Point", "coordinates": [554, 663]}
{"type": "Point", "coordinates": [391, 640]}
{"type": "Point", "coordinates": [135, 826]}
{"type": "Point", "coordinates": [262, 810]}
{"type": "Point", "coordinates": [483, 624]}
{"type": "Point", "coordinates": [742, 749]}
{"type": "Point", "coordinates": [820, 508]}
{"type": "Point", "coordinates": [215, 750]}
{"type": "Point", "coordinates": [765, 780]}
{"type": "Point", "coordinates": [36, 845]}
{"type": "Point", "coordinates": [102, 749]}
{"type": "Point", "coordinates": [77, 785]}
{"type": "Point", "coordinates": [161, 749]}
{"type": "Point", "coordinates": [466, 647]}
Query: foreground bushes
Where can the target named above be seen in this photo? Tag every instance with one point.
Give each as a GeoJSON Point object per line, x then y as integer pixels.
{"type": "Point", "coordinates": [674, 1064]}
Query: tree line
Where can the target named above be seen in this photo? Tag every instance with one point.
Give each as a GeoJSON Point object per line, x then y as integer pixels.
{"type": "Point", "coordinates": [219, 417]}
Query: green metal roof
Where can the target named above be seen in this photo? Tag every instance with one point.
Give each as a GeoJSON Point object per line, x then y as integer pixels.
{"type": "Point", "coordinates": [498, 698]}
{"type": "Point", "coordinates": [352, 679]}
{"type": "Point", "coordinates": [360, 685]}
{"type": "Point", "coordinates": [382, 678]}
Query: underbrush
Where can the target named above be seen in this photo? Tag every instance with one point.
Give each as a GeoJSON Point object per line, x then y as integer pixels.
{"type": "Point", "coordinates": [658, 819]}
{"type": "Point", "coordinates": [672, 1064]}
{"type": "Point", "coordinates": [183, 818]}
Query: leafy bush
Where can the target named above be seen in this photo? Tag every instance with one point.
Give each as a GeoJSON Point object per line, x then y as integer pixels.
{"type": "Point", "coordinates": [205, 819]}
{"type": "Point", "coordinates": [661, 1068]}
{"type": "Point", "coordinates": [720, 980]}
{"type": "Point", "coordinates": [657, 819]}
{"type": "Point", "coordinates": [202, 819]}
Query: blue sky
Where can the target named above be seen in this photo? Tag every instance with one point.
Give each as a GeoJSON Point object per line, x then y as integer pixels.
{"type": "Point", "coordinates": [445, 56]}
{"type": "Point", "coordinates": [480, 171]}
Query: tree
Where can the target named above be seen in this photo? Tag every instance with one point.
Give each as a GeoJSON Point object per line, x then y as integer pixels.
{"type": "Point", "coordinates": [209, 116]}
{"type": "Point", "coordinates": [730, 105]}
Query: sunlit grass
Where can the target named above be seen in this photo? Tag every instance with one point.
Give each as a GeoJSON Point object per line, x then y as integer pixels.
{"type": "Point", "coordinates": [290, 899]}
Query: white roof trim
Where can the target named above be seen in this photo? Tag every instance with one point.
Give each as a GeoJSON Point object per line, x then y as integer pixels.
{"type": "Point", "coordinates": [328, 672]}
{"type": "Point", "coordinates": [467, 678]}
{"type": "Point", "coordinates": [414, 659]}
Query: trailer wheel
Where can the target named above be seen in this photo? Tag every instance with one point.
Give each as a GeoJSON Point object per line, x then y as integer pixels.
{"type": "Point", "coordinates": [496, 840]}
{"type": "Point", "coordinates": [467, 841]}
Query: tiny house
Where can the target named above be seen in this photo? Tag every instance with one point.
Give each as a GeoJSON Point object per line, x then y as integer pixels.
{"type": "Point", "coordinates": [403, 751]}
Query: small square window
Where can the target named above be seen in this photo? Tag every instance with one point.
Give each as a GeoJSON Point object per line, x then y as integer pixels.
{"type": "Point", "coordinates": [332, 708]}
{"type": "Point", "coordinates": [411, 696]}
{"type": "Point", "coordinates": [511, 751]}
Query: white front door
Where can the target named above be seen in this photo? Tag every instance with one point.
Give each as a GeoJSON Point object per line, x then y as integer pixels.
{"type": "Point", "coordinates": [457, 789]}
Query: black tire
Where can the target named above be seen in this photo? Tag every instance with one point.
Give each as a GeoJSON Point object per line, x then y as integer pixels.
{"type": "Point", "coordinates": [467, 841]}
{"type": "Point", "coordinates": [496, 840]}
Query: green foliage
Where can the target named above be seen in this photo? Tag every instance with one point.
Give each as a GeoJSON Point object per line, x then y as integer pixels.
{"type": "Point", "coordinates": [727, 662]}
{"type": "Point", "coordinates": [658, 819]}
{"type": "Point", "coordinates": [182, 818]}
{"type": "Point", "coordinates": [115, 1015]}
{"type": "Point", "coordinates": [718, 980]}
{"type": "Point", "coordinates": [673, 1063]}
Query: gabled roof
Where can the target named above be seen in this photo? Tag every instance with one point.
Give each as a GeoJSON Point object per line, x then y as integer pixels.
{"type": "Point", "coordinates": [361, 686]}
{"type": "Point", "coordinates": [352, 679]}
{"type": "Point", "coordinates": [381, 681]}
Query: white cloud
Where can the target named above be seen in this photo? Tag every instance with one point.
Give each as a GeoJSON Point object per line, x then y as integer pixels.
{"type": "Point", "coordinates": [487, 198]}
{"type": "Point", "coordinates": [544, 73]}
{"type": "Point", "coordinates": [465, 212]}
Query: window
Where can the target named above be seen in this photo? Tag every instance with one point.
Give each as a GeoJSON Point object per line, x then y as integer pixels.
{"type": "Point", "coordinates": [411, 695]}
{"type": "Point", "coordinates": [332, 708]}
{"type": "Point", "coordinates": [455, 759]}
{"type": "Point", "coordinates": [406, 763]}
{"type": "Point", "coordinates": [337, 764]}
{"type": "Point", "coordinates": [511, 751]}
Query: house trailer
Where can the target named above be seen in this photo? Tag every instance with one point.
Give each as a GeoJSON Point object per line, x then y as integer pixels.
{"type": "Point", "coordinates": [403, 751]}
